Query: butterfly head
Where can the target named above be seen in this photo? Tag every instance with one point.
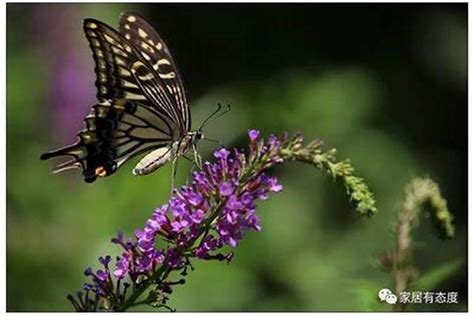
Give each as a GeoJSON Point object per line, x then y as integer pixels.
{"type": "Point", "coordinates": [194, 137]}
{"type": "Point", "coordinates": [199, 135]}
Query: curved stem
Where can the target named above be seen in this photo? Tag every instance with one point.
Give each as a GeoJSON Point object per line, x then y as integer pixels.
{"type": "Point", "coordinates": [419, 193]}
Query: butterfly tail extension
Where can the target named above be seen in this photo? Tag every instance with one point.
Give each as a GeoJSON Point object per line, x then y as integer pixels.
{"type": "Point", "coordinates": [91, 166]}
{"type": "Point", "coordinates": [56, 153]}
{"type": "Point", "coordinates": [65, 151]}
{"type": "Point", "coordinates": [70, 164]}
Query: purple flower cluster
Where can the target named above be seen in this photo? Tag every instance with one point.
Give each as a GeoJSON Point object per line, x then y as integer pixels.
{"type": "Point", "coordinates": [214, 211]}
{"type": "Point", "coordinates": [202, 220]}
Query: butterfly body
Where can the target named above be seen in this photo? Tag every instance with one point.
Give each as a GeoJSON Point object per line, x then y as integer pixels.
{"type": "Point", "coordinates": [157, 158]}
{"type": "Point", "coordinates": [142, 106]}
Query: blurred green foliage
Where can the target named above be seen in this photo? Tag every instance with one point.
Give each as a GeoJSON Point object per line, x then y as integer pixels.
{"type": "Point", "coordinates": [433, 277]}
{"type": "Point", "coordinates": [375, 81]}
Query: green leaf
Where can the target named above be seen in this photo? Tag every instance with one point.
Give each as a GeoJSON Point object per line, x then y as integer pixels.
{"type": "Point", "coordinates": [365, 295]}
{"type": "Point", "coordinates": [436, 275]}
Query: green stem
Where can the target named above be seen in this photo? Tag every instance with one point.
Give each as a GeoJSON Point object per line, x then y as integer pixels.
{"type": "Point", "coordinates": [138, 292]}
{"type": "Point", "coordinates": [420, 194]}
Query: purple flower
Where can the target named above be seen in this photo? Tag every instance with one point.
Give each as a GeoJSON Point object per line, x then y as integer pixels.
{"type": "Point", "coordinates": [214, 211]}
{"type": "Point", "coordinates": [118, 239]}
{"type": "Point", "coordinates": [102, 275]}
{"type": "Point", "coordinates": [226, 188]}
{"type": "Point", "coordinates": [105, 261]}
{"type": "Point", "coordinates": [234, 203]}
{"type": "Point", "coordinates": [194, 199]}
{"type": "Point", "coordinates": [173, 258]}
{"type": "Point", "coordinates": [200, 221]}
{"type": "Point", "coordinates": [222, 153]}
{"type": "Point", "coordinates": [247, 199]}
{"type": "Point", "coordinates": [197, 216]}
{"type": "Point", "coordinates": [253, 135]}
{"type": "Point", "coordinates": [143, 263]}
{"type": "Point", "coordinates": [123, 266]}
{"type": "Point", "coordinates": [88, 271]}
{"type": "Point", "coordinates": [152, 225]}
{"type": "Point", "coordinates": [275, 186]}
{"type": "Point", "coordinates": [145, 244]}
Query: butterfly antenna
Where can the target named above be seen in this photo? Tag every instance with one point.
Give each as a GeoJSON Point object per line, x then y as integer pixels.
{"type": "Point", "coordinates": [219, 108]}
{"type": "Point", "coordinates": [224, 112]}
{"type": "Point", "coordinates": [214, 141]}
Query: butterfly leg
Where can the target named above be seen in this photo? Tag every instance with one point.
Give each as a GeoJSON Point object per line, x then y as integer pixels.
{"type": "Point", "coordinates": [197, 157]}
{"type": "Point", "coordinates": [188, 159]}
{"type": "Point", "coordinates": [192, 168]}
{"type": "Point", "coordinates": [174, 170]}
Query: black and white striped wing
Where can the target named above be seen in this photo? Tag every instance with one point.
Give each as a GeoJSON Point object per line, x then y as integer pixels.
{"type": "Point", "coordinates": [123, 73]}
{"type": "Point", "coordinates": [152, 47]}
{"type": "Point", "coordinates": [113, 133]}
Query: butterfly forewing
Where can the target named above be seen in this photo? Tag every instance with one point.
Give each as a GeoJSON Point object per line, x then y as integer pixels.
{"type": "Point", "coordinates": [123, 73]}
{"type": "Point", "coordinates": [155, 90]}
{"type": "Point", "coordinates": [152, 47]}
{"type": "Point", "coordinates": [112, 58]}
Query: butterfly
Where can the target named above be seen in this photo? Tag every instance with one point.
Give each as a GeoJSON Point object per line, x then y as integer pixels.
{"type": "Point", "coordinates": [142, 105]}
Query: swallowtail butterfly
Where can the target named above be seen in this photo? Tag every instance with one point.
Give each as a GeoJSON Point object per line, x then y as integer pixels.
{"type": "Point", "coordinates": [142, 106]}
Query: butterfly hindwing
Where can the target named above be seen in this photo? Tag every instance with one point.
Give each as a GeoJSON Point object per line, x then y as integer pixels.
{"type": "Point", "coordinates": [112, 134]}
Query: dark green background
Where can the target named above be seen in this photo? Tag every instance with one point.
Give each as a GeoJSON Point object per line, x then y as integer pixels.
{"type": "Point", "coordinates": [384, 84]}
